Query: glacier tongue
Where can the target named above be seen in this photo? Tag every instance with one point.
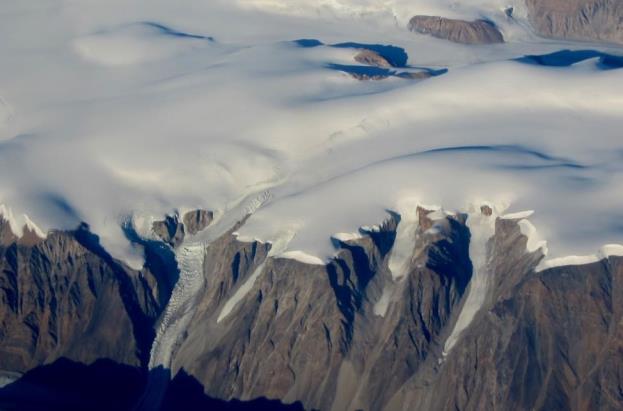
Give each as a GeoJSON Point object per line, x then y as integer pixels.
{"type": "Point", "coordinates": [401, 252]}
{"type": "Point", "coordinates": [482, 228]}
{"type": "Point", "coordinates": [179, 310]}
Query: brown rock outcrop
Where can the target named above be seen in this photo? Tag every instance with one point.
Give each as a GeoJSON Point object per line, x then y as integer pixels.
{"type": "Point", "coordinates": [197, 220]}
{"type": "Point", "coordinates": [372, 58]}
{"type": "Point", "coordinates": [458, 31]}
{"type": "Point", "coordinates": [172, 230]}
{"type": "Point", "coordinates": [64, 296]}
{"type": "Point", "coordinates": [589, 20]}
{"type": "Point", "coordinates": [314, 333]}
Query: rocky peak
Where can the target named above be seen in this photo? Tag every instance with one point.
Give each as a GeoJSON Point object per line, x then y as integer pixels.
{"type": "Point", "coordinates": [172, 230]}
{"type": "Point", "coordinates": [197, 220]}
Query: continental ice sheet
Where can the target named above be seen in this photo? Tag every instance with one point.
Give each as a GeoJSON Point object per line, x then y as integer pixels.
{"type": "Point", "coordinates": [135, 107]}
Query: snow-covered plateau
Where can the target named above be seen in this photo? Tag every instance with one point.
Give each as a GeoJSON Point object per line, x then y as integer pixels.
{"type": "Point", "coordinates": [137, 108]}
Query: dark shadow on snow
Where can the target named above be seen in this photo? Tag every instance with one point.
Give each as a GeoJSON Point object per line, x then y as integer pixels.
{"type": "Point", "coordinates": [566, 58]}
{"type": "Point", "coordinates": [166, 30]}
{"type": "Point", "coordinates": [362, 71]}
{"type": "Point", "coordinates": [396, 56]}
{"type": "Point", "coordinates": [378, 72]}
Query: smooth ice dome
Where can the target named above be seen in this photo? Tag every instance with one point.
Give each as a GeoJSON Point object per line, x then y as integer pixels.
{"type": "Point", "coordinates": [140, 108]}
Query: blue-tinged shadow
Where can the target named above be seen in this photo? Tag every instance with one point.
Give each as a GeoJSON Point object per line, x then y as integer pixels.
{"type": "Point", "coordinates": [396, 56]}
{"type": "Point", "coordinates": [566, 58]}
{"type": "Point", "coordinates": [550, 161]}
{"type": "Point", "coordinates": [168, 31]}
{"type": "Point", "coordinates": [363, 71]}
{"type": "Point", "coordinates": [379, 72]}
{"type": "Point", "coordinates": [308, 43]}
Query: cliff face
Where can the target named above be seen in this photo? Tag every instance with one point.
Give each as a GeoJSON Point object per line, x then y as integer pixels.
{"type": "Point", "coordinates": [592, 20]}
{"type": "Point", "coordinates": [64, 296]}
{"type": "Point", "coordinates": [540, 340]}
{"type": "Point", "coordinates": [547, 340]}
{"type": "Point", "coordinates": [314, 327]}
{"type": "Point", "coordinates": [348, 335]}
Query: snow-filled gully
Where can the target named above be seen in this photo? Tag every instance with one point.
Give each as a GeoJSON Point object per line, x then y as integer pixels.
{"type": "Point", "coordinates": [482, 228]}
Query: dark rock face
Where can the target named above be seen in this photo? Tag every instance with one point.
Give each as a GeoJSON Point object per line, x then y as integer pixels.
{"type": "Point", "coordinates": [66, 297]}
{"type": "Point", "coordinates": [172, 230]}
{"type": "Point", "coordinates": [592, 20]}
{"type": "Point", "coordinates": [458, 31]}
{"type": "Point", "coordinates": [315, 334]}
{"type": "Point", "coordinates": [322, 344]}
{"type": "Point", "coordinates": [548, 340]}
{"type": "Point", "coordinates": [314, 326]}
{"type": "Point", "coordinates": [197, 220]}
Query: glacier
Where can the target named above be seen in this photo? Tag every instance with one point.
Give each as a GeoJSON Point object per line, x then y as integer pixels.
{"type": "Point", "coordinates": [107, 114]}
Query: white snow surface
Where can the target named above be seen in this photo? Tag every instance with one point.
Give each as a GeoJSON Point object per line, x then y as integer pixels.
{"type": "Point", "coordinates": [110, 109]}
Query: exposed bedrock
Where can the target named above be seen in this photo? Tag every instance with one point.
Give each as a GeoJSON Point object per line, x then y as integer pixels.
{"type": "Point", "coordinates": [173, 229]}
{"type": "Point", "coordinates": [65, 296]}
{"type": "Point", "coordinates": [261, 326]}
{"type": "Point", "coordinates": [458, 31]}
{"type": "Point", "coordinates": [590, 20]}
{"type": "Point", "coordinates": [320, 342]}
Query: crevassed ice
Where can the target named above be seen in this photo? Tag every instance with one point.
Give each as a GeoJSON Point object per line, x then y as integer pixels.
{"type": "Point", "coordinates": [178, 311]}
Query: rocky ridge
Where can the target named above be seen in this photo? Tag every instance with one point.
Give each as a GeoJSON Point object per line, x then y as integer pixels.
{"type": "Point", "coordinates": [588, 20]}
{"type": "Point", "coordinates": [311, 333]}
{"type": "Point", "coordinates": [458, 31]}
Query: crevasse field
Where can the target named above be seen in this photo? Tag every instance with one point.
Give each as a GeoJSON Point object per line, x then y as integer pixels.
{"type": "Point", "coordinates": [122, 111]}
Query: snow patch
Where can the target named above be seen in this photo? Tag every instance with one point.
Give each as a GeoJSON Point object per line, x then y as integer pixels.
{"type": "Point", "coordinates": [31, 226]}
{"type": "Point", "coordinates": [404, 244]}
{"type": "Point", "coordinates": [7, 215]}
{"type": "Point", "coordinates": [302, 257]}
{"type": "Point", "coordinates": [607, 251]}
{"type": "Point", "coordinates": [20, 223]}
{"type": "Point", "coordinates": [517, 216]}
{"type": "Point", "coordinates": [240, 293]}
{"type": "Point", "coordinates": [346, 237]}
{"type": "Point", "coordinates": [534, 241]}
{"type": "Point", "coordinates": [381, 306]}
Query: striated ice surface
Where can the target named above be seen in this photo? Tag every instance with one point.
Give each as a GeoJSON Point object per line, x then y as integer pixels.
{"type": "Point", "coordinates": [137, 108]}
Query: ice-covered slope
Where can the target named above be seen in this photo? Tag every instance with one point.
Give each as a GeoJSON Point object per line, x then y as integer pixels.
{"type": "Point", "coordinates": [143, 107]}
